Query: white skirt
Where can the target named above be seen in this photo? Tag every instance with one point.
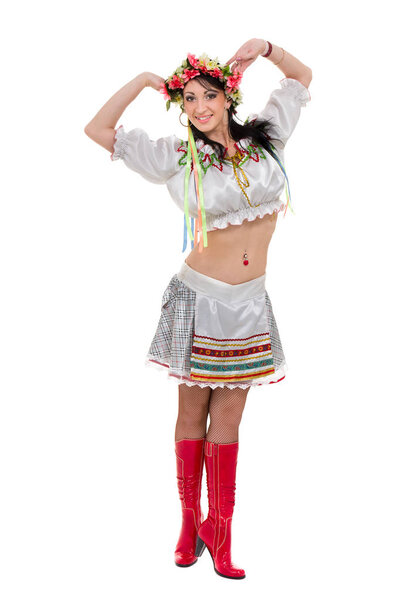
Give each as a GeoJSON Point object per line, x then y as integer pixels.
{"type": "Point", "coordinates": [212, 333]}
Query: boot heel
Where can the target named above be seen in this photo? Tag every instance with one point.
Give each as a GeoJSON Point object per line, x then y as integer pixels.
{"type": "Point", "coordinates": [200, 545]}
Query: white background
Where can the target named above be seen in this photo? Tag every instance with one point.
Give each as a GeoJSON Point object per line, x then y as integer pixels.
{"type": "Point", "coordinates": [89, 505]}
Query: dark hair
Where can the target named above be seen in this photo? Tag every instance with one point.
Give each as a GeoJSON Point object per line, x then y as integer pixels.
{"type": "Point", "coordinates": [257, 130]}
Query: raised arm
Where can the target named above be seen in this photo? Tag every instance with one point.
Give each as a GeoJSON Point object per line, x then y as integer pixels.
{"type": "Point", "coordinates": [284, 104]}
{"type": "Point", "coordinates": [290, 65]}
{"type": "Point", "coordinates": [101, 129]}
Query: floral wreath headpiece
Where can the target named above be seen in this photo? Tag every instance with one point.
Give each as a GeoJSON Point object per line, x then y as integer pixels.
{"type": "Point", "coordinates": [193, 67]}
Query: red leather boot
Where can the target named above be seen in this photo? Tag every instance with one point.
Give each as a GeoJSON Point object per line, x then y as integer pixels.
{"type": "Point", "coordinates": [215, 531]}
{"type": "Point", "coordinates": [189, 467]}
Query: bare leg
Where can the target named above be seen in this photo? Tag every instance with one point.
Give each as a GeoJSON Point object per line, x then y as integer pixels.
{"type": "Point", "coordinates": [193, 412]}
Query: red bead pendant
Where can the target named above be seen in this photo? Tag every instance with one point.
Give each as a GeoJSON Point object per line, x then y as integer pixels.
{"type": "Point", "coordinates": [245, 261]}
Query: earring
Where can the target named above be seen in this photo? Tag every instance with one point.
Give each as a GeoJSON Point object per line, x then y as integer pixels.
{"type": "Point", "coordinates": [182, 113]}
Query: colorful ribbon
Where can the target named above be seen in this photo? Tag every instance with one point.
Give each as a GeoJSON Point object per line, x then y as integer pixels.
{"type": "Point", "coordinates": [201, 223]}
{"type": "Point", "coordinates": [185, 233]}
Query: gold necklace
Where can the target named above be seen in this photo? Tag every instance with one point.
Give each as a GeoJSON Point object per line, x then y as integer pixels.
{"type": "Point", "coordinates": [235, 160]}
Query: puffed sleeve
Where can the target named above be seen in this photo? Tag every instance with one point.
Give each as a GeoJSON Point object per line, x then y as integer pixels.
{"type": "Point", "coordinates": [156, 160]}
{"type": "Point", "coordinates": [283, 108]}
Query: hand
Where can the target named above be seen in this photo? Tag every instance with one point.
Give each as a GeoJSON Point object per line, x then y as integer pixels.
{"type": "Point", "coordinates": [247, 54]}
{"type": "Point", "coordinates": [153, 80]}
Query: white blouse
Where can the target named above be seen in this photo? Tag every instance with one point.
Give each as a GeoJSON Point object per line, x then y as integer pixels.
{"type": "Point", "coordinates": [164, 160]}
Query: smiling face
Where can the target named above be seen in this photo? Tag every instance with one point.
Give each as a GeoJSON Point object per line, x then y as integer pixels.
{"type": "Point", "coordinates": [201, 102]}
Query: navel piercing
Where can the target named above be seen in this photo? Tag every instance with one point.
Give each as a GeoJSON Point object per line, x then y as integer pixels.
{"type": "Point", "coordinates": [245, 261]}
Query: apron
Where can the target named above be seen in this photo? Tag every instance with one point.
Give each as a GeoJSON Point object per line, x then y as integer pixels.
{"type": "Point", "coordinates": [231, 338]}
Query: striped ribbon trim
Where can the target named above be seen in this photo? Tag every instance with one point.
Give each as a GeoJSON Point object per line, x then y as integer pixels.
{"type": "Point", "coordinates": [239, 359]}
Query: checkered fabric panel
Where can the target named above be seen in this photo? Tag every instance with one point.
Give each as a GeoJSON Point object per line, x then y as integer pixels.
{"type": "Point", "coordinates": [172, 342]}
{"type": "Point", "coordinates": [276, 345]}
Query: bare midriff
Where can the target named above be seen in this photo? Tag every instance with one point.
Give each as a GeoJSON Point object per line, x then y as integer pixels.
{"type": "Point", "coordinates": [223, 257]}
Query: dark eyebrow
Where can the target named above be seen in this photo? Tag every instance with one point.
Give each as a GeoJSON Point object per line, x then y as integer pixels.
{"type": "Point", "coordinates": [215, 91]}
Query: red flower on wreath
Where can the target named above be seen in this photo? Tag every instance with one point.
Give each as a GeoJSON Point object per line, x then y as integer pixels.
{"type": "Point", "coordinates": [234, 80]}
{"type": "Point", "coordinates": [188, 74]}
{"type": "Point", "coordinates": [193, 60]}
{"type": "Point", "coordinates": [175, 83]}
{"type": "Point", "coordinates": [217, 73]}
{"type": "Point", "coordinates": [164, 91]}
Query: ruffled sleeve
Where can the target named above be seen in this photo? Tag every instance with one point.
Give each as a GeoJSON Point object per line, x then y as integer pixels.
{"type": "Point", "coordinates": [155, 160]}
{"type": "Point", "coordinates": [283, 108]}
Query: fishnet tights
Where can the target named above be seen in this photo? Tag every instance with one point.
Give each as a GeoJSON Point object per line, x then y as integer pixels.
{"type": "Point", "coordinates": [223, 405]}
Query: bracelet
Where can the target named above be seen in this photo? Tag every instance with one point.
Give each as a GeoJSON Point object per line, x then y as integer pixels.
{"type": "Point", "coordinates": [265, 50]}
{"type": "Point", "coordinates": [269, 52]}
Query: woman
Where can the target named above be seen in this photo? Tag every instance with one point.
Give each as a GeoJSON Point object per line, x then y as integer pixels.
{"type": "Point", "coordinates": [217, 334]}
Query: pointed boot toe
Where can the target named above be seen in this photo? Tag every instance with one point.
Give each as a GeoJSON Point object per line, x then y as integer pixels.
{"type": "Point", "coordinates": [215, 532]}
